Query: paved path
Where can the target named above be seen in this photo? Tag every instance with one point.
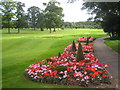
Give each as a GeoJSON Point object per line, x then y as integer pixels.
{"type": "Point", "coordinates": [106, 55]}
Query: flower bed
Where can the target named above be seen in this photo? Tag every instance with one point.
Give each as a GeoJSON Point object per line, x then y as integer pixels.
{"type": "Point", "coordinates": [67, 70]}
{"type": "Point", "coordinates": [84, 39]}
{"type": "Point", "coordinates": [85, 47]}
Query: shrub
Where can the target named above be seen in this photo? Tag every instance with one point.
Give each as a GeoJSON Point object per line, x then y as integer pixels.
{"type": "Point", "coordinates": [61, 68]}
{"type": "Point", "coordinates": [74, 47]}
{"type": "Point", "coordinates": [79, 55]}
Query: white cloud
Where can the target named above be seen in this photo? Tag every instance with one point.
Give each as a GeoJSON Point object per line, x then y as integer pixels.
{"type": "Point", "coordinates": [72, 11]}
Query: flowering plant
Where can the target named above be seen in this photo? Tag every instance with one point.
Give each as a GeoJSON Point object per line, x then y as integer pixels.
{"type": "Point", "coordinates": [84, 39]}
{"type": "Point", "coordinates": [65, 69]}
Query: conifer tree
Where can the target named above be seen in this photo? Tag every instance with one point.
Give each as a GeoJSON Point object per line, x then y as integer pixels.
{"type": "Point", "coordinates": [73, 47]}
{"type": "Point", "coordinates": [87, 41]}
{"type": "Point", "coordinates": [59, 54]}
{"type": "Point", "coordinates": [79, 55]}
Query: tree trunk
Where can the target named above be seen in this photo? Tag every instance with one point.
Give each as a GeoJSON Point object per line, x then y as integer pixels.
{"type": "Point", "coordinates": [18, 30]}
{"type": "Point", "coordinates": [112, 34]}
{"type": "Point", "coordinates": [41, 29]}
{"type": "Point", "coordinates": [50, 30]}
{"type": "Point", "coordinates": [8, 30]}
{"type": "Point", "coordinates": [109, 35]}
{"type": "Point", "coordinates": [34, 28]}
{"type": "Point", "coordinates": [118, 36]}
{"type": "Point", "coordinates": [54, 30]}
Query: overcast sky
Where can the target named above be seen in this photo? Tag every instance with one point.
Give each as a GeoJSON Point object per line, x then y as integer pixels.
{"type": "Point", "coordinates": [72, 11]}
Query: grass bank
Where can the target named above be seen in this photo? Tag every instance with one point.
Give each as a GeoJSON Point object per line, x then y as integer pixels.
{"type": "Point", "coordinates": [114, 44]}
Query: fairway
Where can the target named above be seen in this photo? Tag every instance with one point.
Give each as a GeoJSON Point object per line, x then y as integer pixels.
{"type": "Point", "coordinates": [21, 50]}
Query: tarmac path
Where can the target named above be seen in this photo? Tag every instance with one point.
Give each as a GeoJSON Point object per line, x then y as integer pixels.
{"type": "Point", "coordinates": [106, 55]}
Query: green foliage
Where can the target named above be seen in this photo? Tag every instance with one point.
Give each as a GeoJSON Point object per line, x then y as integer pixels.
{"type": "Point", "coordinates": [41, 21]}
{"type": "Point", "coordinates": [73, 47]}
{"type": "Point", "coordinates": [7, 13]}
{"type": "Point", "coordinates": [33, 13]}
{"type": "Point", "coordinates": [87, 41]}
{"type": "Point", "coordinates": [59, 54]}
{"type": "Point", "coordinates": [114, 44]}
{"type": "Point", "coordinates": [106, 12]}
{"type": "Point", "coordinates": [45, 62]}
{"type": "Point", "coordinates": [61, 68]}
{"type": "Point", "coordinates": [83, 24]}
{"type": "Point", "coordinates": [79, 55]}
{"type": "Point", "coordinates": [49, 60]}
{"type": "Point", "coordinates": [20, 16]}
{"type": "Point", "coordinates": [53, 15]}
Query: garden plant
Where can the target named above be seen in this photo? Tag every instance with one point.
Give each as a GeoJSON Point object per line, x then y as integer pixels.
{"type": "Point", "coordinates": [77, 65]}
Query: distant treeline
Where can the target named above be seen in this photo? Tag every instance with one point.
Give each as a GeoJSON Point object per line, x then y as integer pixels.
{"type": "Point", "coordinates": [83, 24]}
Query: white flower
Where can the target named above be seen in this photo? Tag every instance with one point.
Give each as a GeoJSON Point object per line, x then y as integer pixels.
{"type": "Point", "coordinates": [82, 80]}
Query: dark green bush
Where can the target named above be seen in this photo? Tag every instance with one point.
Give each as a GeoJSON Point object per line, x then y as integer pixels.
{"type": "Point", "coordinates": [61, 68]}
{"type": "Point", "coordinates": [79, 55]}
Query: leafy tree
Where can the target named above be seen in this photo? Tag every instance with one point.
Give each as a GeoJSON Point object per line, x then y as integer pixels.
{"type": "Point", "coordinates": [41, 21]}
{"type": "Point", "coordinates": [20, 16]}
{"type": "Point", "coordinates": [108, 13]}
{"type": "Point", "coordinates": [53, 15]}
{"type": "Point", "coordinates": [7, 8]}
{"type": "Point", "coordinates": [33, 13]}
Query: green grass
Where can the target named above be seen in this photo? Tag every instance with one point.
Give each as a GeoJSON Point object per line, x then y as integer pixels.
{"type": "Point", "coordinates": [21, 50]}
{"type": "Point", "coordinates": [114, 44]}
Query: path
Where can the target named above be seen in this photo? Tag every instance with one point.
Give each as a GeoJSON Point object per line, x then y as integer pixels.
{"type": "Point", "coordinates": [106, 55]}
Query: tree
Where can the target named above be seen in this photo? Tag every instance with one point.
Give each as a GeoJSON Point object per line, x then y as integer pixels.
{"type": "Point", "coordinates": [108, 13]}
{"type": "Point", "coordinates": [41, 21]}
{"type": "Point", "coordinates": [20, 16]}
{"type": "Point", "coordinates": [53, 15]}
{"type": "Point", "coordinates": [79, 55]}
{"type": "Point", "coordinates": [73, 47]}
{"type": "Point", "coordinates": [7, 8]}
{"type": "Point", "coordinates": [33, 13]}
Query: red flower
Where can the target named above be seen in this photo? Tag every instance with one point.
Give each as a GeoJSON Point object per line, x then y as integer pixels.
{"type": "Point", "coordinates": [91, 74]}
{"type": "Point", "coordinates": [104, 75]}
{"type": "Point", "coordinates": [41, 76]}
{"type": "Point", "coordinates": [48, 68]}
{"type": "Point", "coordinates": [54, 73]}
{"type": "Point", "coordinates": [100, 72]}
{"type": "Point", "coordinates": [81, 67]}
{"type": "Point", "coordinates": [38, 68]}
{"type": "Point", "coordinates": [68, 68]}
{"type": "Point", "coordinates": [68, 75]}
{"type": "Point", "coordinates": [33, 69]}
{"type": "Point", "coordinates": [56, 76]}
{"type": "Point", "coordinates": [74, 74]}
{"type": "Point", "coordinates": [46, 74]}
{"type": "Point", "coordinates": [95, 74]}
{"type": "Point", "coordinates": [106, 72]}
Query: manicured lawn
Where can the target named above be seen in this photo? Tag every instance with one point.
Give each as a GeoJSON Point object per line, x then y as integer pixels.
{"type": "Point", "coordinates": [21, 50]}
{"type": "Point", "coordinates": [114, 44]}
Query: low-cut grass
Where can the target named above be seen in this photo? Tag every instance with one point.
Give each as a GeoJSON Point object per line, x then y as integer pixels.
{"type": "Point", "coordinates": [114, 44]}
{"type": "Point", "coordinates": [21, 50]}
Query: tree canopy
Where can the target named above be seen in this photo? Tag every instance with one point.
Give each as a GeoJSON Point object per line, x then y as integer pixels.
{"type": "Point", "coordinates": [7, 14]}
{"type": "Point", "coordinates": [33, 13]}
{"type": "Point", "coordinates": [108, 13]}
{"type": "Point", "coordinates": [53, 15]}
{"type": "Point", "coordinates": [20, 15]}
